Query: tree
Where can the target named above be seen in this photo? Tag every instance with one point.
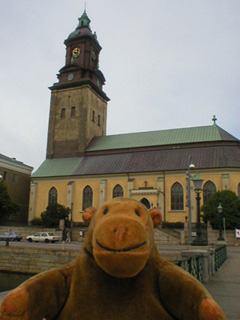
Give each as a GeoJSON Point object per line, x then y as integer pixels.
{"type": "Point", "coordinates": [54, 213]}
{"type": "Point", "coordinates": [7, 207]}
{"type": "Point", "coordinates": [231, 209]}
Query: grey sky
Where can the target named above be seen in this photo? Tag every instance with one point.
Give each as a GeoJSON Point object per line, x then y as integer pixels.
{"type": "Point", "coordinates": [167, 63]}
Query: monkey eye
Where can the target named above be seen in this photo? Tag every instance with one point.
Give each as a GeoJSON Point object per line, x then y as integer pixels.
{"type": "Point", "coordinates": [137, 213]}
{"type": "Point", "coordinates": [105, 211]}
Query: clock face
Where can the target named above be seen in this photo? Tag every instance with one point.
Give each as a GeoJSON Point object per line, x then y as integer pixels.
{"type": "Point", "coordinates": [70, 77]}
{"type": "Point", "coordinates": [76, 52]}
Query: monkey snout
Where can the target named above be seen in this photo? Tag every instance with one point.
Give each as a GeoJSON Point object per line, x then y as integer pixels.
{"type": "Point", "coordinates": [120, 233]}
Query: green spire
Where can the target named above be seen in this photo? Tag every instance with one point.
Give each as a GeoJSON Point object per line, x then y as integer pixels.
{"type": "Point", "coordinates": [84, 21]}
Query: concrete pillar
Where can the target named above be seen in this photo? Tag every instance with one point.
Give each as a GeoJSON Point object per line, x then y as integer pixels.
{"type": "Point", "coordinates": [32, 202]}
{"type": "Point", "coordinates": [225, 182]}
{"type": "Point", "coordinates": [102, 192]}
{"type": "Point", "coordinates": [130, 187]}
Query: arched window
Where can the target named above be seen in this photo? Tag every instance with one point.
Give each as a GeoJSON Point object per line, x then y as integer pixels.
{"type": "Point", "coordinates": [93, 116]}
{"type": "Point", "coordinates": [145, 202]}
{"type": "Point", "coordinates": [209, 189]}
{"type": "Point", "coordinates": [117, 191]}
{"type": "Point", "coordinates": [52, 196]}
{"type": "Point", "coordinates": [177, 197]}
{"type": "Point", "coordinates": [99, 120]}
{"type": "Point", "coordinates": [63, 113]}
{"type": "Point", "coordinates": [87, 197]}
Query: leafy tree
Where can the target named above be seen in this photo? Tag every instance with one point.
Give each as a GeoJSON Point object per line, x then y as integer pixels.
{"type": "Point", "coordinates": [7, 207]}
{"type": "Point", "coordinates": [53, 214]}
{"type": "Point", "coordinates": [231, 209]}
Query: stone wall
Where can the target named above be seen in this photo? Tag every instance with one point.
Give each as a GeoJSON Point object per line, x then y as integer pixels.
{"type": "Point", "coordinates": [34, 260]}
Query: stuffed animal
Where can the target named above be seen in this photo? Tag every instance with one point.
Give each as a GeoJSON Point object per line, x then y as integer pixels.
{"type": "Point", "coordinates": [118, 275]}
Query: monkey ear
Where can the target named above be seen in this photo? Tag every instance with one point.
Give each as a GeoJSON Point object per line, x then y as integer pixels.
{"type": "Point", "coordinates": [156, 217]}
{"type": "Point", "coordinates": [88, 214]}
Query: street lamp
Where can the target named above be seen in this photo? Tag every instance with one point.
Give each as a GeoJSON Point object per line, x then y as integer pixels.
{"type": "Point", "coordinates": [197, 181]}
{"type": "Point", "coordinates": [191, 166]}
{"type": "Point", "coordinates": [220, 210]}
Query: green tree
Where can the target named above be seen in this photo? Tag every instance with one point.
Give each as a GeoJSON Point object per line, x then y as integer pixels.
{"type": "Point", "coordinates": [54, 212]}
{"type": "Point", "coordinates": [231, 209]}
{"type": "Point", "coordinates": [7, 207]}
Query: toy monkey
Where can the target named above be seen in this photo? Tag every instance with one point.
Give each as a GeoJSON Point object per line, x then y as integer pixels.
{"type": "Point", "coordinates": [118, 275]}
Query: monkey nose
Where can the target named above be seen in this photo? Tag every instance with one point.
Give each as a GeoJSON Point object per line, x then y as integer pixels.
{"type": "Point", "coordinates": [120, 233]}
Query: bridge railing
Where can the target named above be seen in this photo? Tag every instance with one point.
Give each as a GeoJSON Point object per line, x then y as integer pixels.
{"type": "Point", "coordinates": [203, 263]}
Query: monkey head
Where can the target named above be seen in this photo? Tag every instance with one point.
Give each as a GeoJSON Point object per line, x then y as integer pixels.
{"type": "Point", "coordinates": [121, 236]}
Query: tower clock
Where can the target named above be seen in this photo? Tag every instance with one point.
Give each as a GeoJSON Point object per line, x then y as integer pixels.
{"type": "Point", "coordinates": [78, 108]}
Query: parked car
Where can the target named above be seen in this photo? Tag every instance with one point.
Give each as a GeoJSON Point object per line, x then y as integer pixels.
{"type": "Point", "coordinates": [43, 237]}
{"type": "Point", "coordinates": [11, 236]}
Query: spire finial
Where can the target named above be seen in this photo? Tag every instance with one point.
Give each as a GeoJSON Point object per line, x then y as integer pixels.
{"type": "Point", "coordinates": [85, 7]}
{"type": "Point", "coordinates": [214, 119]}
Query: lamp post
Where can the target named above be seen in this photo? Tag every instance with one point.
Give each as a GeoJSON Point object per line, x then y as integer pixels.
{"type": "Point", "coordinates": [220, 210]}
{"type": "Point", "coordinates": [191, 166]}
{"type": "Point", "coordinates": [197, 181]}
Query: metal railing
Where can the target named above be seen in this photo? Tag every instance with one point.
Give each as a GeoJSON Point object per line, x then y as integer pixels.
{"type": "Point", "coordinates": [220, 256]}
{"type": "Point", "coordinates": [193, 265]}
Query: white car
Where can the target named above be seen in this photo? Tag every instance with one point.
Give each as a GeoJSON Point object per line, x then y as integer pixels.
{"type": "Point", "coordinates": [43, 237]}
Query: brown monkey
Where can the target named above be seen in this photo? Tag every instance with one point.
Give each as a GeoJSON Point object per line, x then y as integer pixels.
{"type": "Point", "coordinates": [118, 274]}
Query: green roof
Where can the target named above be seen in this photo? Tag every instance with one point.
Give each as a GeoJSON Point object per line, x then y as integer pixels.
{"type": "Point", "coordinates": [160, 138]}
{"type": "Point", "coordinates": [57, 167]}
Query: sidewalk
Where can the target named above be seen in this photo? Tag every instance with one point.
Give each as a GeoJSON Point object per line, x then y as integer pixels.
{"type": "Point", "coordinates": [224, 286]}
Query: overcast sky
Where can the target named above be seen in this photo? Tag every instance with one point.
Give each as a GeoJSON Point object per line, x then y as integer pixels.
{"type": "Point", "coordinates": [167, 63]}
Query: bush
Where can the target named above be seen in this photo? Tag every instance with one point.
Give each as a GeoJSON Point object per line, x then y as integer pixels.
{"type": "Point", "coordinates": [231, 209]}
{"type": "Point", "coordinates": [7, 207]}
{"type": "Point", "coordinates": [36, 222]}
{"type": "Point", "coordinates": [54, 212]}
{"type": "Point", "coordinates": [173, 225]}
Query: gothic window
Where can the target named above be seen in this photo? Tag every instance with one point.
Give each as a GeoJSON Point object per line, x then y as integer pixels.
{"type": "Point", "coordinates": [73, 112]}
{"type": "Point", "coordinates": [52, 196]}
{"type": "Point", "coordinates": [177, 197]}
{"type": "Point", "coordinates": [209, 189]}
{"type": "Point", "coordinates": [63, 113]}
{"type": "Point", "coordinates": [93, 116]}
{"type": "Point", "coordinates": [117, 191]}
{"type": "Point", "coordinates": [99, 120]}
{"type": "Point", "coordinates": [87, 197]}
{"type": "Point", "coordinates": [145, 202]}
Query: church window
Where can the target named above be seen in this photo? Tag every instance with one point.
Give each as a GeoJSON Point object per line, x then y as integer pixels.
{"type": "Point", "coordinates": [117, 191]}
{"type": "Point", "coordinates": [87, 197]}
{"type": "Point", "coordinates": [209, 189]}
{"type": "Point", "coordinates": [177, 197]}
{"type": "Point", "coordinates": [146, 203]}
{"type": "Point", "coordinates": [63, 113]}
{"type": "Point", "coordinates": [93, 116]}
{"type": "Point", "coordinates": [73, 112]}
{"type": "Point", "coordinates": [99, 120]}
{"type": "Point", "coordinates": [52, 196]}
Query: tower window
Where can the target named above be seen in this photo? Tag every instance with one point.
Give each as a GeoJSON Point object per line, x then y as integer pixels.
{"type": "Point", "coordinates": [87, 197]}
{"type": "Point", "coordinates": [99, 120]}
{"type": "Point", "coordinates": [63, 113]}
{"type": "Point", "coordinates": [73, 112]}
{"type": "Point", "coordinates": [93, 116]}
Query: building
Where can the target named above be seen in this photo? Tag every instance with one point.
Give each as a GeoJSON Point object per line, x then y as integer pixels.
{"type": "Point", "coordinates": [16, 175]}
{"type": "Point", "coordinates": [84, 167]}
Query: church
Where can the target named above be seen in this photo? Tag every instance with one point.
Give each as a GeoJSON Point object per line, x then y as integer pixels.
{"type": "Point", "coordinates": [85, 167]}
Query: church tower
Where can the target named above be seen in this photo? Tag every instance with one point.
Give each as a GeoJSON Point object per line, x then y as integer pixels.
{"type": "Point", "coordinates": [78, 107]}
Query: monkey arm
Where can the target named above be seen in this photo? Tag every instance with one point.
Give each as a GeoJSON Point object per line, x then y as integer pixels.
{"type": "Point", "coordinates": [185, 297]}
{"type": "Point", "coordinates": [42, 296]}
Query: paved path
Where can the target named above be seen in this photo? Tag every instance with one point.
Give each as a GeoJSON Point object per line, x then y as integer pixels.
{"type": "Point", "coordinates": [225, 285]}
